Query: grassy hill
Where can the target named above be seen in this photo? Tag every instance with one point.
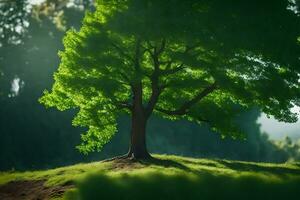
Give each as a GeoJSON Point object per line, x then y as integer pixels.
{"type": "Point", "coordinates": [167, 177]}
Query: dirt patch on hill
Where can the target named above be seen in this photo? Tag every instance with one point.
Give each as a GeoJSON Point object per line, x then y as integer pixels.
{"type": "Point", "coordinates": [125, 164]}
{"type": "Point", "coordinates": [31, 190]}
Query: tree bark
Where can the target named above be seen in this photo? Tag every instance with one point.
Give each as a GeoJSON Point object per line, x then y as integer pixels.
{"type": "Point", "coordinates": [138, 147]}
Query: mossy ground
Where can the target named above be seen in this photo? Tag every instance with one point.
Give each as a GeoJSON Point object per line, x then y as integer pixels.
{"type": "Point", "coordinates": [169, 177]}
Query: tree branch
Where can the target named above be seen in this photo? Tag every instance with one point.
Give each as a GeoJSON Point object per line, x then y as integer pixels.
{"type": "Point", "coordinates": [162, 47]}
{"type": "Point", "coordinates": [167, 72]}
{"type": "Point", "coordinates": [190, 48]}
{"type": "Point", "coordinates": [154, 87]}
{"type": "Point", "coordinates": [156, 90]}
{"type": "Point", "coordinates": [126, 78]}
{"type": "Point", "coordinates": [203, 120]}
{"type": "Point", "coordinates": [187, 105]}
{"type": "Point", "coordinates": [122, 105]}
{"type": "Point", "coordinates": [137, 55]}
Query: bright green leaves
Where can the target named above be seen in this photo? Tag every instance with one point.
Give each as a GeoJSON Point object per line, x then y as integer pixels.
{"type": "Point", "coordinates": [57, 99]}
{"type": "Point", "coordinates": [99, 115]}
{"type": "Point", "coordinates": [95, 138]}
{"type": "Point", "coordinates": [179, 49]}
{"type": "Point", "coordinates": [90, 79]}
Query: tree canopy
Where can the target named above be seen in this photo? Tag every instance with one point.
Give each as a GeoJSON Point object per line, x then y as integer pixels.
{"type": "Point", "coordinates": [197, 60]}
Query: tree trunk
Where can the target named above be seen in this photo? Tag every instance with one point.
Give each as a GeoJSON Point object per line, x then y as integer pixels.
{"type": "Point", "coordinates": [138, 147]}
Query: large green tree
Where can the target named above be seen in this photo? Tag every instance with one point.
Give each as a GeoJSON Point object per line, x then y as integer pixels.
{"type": "Point", "coordinates": [200, 60]}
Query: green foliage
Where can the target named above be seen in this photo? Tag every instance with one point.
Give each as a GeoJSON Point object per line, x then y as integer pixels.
{"type": "Point", "coordinates": [25, 126]}
{"type": "Point", "coordinates": [203, 61]}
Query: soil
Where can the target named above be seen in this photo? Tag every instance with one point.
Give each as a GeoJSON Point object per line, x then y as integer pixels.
{"type": "Point", "coordinates": [125, 164]}
{"type": "Point", "coordinates": [31, 190]}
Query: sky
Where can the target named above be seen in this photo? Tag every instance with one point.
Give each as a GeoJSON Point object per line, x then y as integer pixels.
{"type": "Point", "coordinates": [278, 130]}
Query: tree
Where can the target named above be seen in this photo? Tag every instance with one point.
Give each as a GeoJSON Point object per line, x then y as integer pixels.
{"type": "Point", "coordinates": [13, 21]}
{"type": "Point", "coordinates": [13, 24]}
{"type": "Point", "coordinates": [197, 60]}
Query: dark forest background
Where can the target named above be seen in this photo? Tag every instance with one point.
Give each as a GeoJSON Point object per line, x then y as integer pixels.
{"type": "Point", "coordinates": [33, 137]}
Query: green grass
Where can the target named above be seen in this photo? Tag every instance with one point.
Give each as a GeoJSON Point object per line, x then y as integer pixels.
{"type": "Point", "coordinates": [172, 177]}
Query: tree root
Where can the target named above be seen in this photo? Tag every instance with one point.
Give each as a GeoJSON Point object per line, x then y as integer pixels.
{"type": "Point", "coordinates": [130, 157]}
{"type": "Point", "coordinates": [122, 157]}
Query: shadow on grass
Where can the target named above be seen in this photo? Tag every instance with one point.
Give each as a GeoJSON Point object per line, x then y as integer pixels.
{"type": "Point", "coordinates": [258, 168]}
{"type": "Point", "coordinates": [165, 163]}
{"type": "Point", "coordinates": [297, 164]}
{"type": "Point", "coordinates": [234, 165]}
{"type": "Point", "coordinates": [161, 185]}
{"type": "Point", "coordinates": [211, 163]}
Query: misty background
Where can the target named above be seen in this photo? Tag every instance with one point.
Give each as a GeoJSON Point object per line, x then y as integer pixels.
{"type": "Point", "coordinates": [278, 130]}
{"type": "Point", "coordinates": [33, 137]}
